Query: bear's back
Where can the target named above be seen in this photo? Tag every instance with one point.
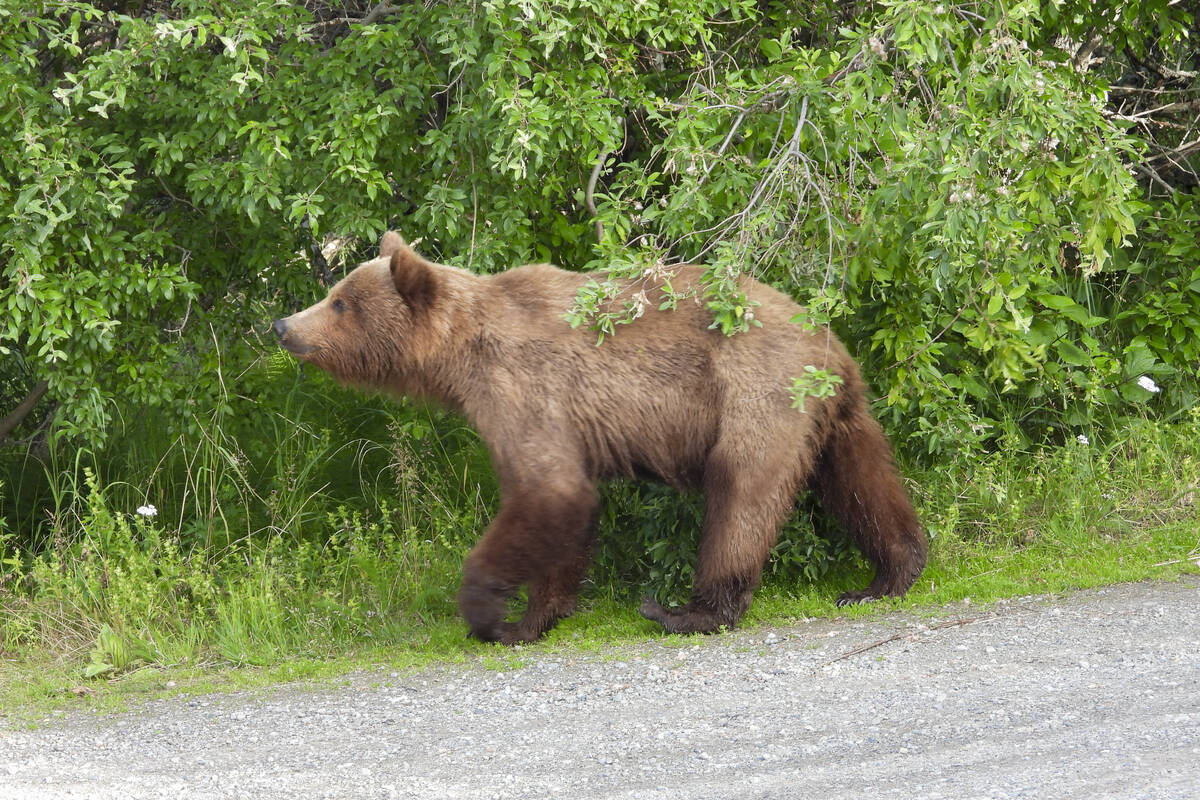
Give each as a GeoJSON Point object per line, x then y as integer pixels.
{"type": "Point", "coordinates": [652, 396]}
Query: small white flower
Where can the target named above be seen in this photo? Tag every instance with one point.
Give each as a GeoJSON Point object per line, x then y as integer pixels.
{"type": "Point", "coordinates": [147, 511]}
{"type": "Point", "coordinates": [1147, 383]}
{"type": "Point", "coordinates": [639, 304]}
{"type": "Point", "coordinates": [1083, 440]}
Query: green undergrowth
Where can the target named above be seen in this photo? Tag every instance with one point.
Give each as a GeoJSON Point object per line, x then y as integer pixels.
{"type": "Point", "coordinates": [114, 607]}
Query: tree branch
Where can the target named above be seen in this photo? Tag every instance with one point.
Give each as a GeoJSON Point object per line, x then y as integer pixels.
{"type": "Point", "coordinates": [1151, 174]}
{"type": "Point", "coordinates": [875, 44]}
{"type": "Point", "coordinates": [378, 11]}
{"type": "Point", "coordinates": [1185, 149]}
{"type": "Point", "coordinates": [320, 264]}
{"type": "Point", "coordinates": [10, 423]}
{"type": "Point", "coordinates": [589, 195]}
{"type": "Point", "coordinates": [1083, 56]}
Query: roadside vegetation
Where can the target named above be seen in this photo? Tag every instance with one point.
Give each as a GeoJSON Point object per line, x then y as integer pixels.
{"type": "Point", "coordinates": [337, 544]}
{"type": "Point", "coordinates": [993, 203]}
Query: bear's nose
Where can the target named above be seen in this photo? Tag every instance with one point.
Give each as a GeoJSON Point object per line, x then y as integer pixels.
{"type": "Point", "coordinates": [280, 327]}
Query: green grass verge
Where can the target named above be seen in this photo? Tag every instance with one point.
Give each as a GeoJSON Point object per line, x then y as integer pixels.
{"type": "Point", "coordinates": [120, 611]}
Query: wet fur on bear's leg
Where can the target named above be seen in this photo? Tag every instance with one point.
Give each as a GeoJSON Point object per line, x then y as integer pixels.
{"type": "Point", "coordinates": [857, 483]}
{"type": "Point", "coordinates": [551, 596]}
{"type": "Point", "coordinates": [719, 605]}
{"type": "Point", "coordinates": [748, 493]}
{"type": "Point", "coordinates": [542, 541]}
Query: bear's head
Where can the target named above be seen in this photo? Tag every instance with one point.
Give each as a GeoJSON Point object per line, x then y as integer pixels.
{"type": "Point", "coordinates": [368, 328]}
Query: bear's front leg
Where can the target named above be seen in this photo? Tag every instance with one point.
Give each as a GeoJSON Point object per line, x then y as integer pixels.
{"type": "Point", "coordinates": [713, 607]}
{"type": "Point", "coordinates": [747, 495]}
{"type": "Point", "coordinates": [540, 539]}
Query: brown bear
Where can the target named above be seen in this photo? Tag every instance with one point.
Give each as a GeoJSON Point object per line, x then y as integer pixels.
{"type": "Point", "coordinates": [666, 398]}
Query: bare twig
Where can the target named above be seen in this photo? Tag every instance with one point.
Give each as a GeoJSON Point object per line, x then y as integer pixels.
{"type": "Point", "coordinates": [187, 313]}
{"type": "Point", "coordinates": [1187, 148]}
{"type": "Point", "coordinates": [875, 44]}
{"type": "Point", "coordinates": [854, 65]}
{"type": "Point", "coordinates": [931, 342]}
{"type": "Point", "coordinates": [954, 623]}
{"type": "Point", "coordinates": [589, 195]}
{"type": "Point", "coordinates": [1167, 72]}
{"type": "Point", "coordinates": [320, 264]}
{"type": "Point", "coordinates": [1148, 172]}
{"type": "Point", "coordinates": [1175, 561]}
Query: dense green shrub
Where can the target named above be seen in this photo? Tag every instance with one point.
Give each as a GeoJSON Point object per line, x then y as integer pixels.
{"type": "Point", "coordinates": [949, 183]}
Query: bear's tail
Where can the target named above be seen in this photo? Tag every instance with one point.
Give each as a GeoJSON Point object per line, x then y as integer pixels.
{"type": "Point", "coordinates": [857, 482]}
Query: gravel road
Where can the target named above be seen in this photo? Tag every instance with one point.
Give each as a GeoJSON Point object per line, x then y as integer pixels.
{"type": "Point", "coordinates": [1093, 695]}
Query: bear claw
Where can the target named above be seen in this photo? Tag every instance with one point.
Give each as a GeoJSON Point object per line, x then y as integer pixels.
{"type": "Point", "coordinates": [855, 598]}
{"type": "Point", "coordinates": [654, 611]}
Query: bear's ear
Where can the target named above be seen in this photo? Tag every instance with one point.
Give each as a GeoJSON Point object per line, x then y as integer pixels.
{"type": "Point", "coordinates": [414, 277]}
{"type": "Point", "coordinates": [390, 243]}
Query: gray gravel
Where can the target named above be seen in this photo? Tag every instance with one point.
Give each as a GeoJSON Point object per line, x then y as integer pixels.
{"type": "Point", "coordinates": [1089, 696]}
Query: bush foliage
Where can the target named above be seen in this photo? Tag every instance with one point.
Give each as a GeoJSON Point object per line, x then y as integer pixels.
{"type": "Point", "coordinates": [993, 202]}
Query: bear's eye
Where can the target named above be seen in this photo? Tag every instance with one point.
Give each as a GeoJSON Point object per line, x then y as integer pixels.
{"type": "Point", "coordinates": [338, 305]}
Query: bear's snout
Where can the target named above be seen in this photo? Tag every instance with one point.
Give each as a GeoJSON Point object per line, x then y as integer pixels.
{"type": "Point", "coordinates": [291, 340]}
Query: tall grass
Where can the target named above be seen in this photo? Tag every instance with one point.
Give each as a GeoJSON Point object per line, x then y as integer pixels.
{"type": "Point", "coordinates": [324, 520]}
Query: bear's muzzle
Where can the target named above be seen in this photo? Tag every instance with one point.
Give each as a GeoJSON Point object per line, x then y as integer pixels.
{"type": "Point", "coordinates": [289, 341]}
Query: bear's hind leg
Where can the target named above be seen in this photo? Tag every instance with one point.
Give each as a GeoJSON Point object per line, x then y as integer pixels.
{"type": "Point", "coordinates": [745, 504]}
{"type": "Point", "coordinates": [857, 483]}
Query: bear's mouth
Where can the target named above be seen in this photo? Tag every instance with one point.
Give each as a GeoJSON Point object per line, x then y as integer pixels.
{"type": "Point", "coordinates": [298, 349]}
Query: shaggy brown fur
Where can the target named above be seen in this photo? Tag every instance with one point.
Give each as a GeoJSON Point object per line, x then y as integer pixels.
{"type": "Point", "coordinates": [666, 397]}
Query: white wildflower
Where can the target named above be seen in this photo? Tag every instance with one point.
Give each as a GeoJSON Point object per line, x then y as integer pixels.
{"type": "Point", "coordinates": [148, 511]}
{"type": "Point", "coordinates": [1147, 383]}
{"type": "Point", "coordinates": [1083, 440]}
{"type": "Point", "coordinates": [640, 302]}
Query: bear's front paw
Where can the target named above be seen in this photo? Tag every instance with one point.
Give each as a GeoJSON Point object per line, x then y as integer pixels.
{"type": "Point", "coordinates": [511, 633]}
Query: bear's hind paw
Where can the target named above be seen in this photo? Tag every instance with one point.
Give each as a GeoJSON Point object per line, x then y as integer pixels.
{"type": "Point", "coordinates": [855, 598]}
{"type": "Point", "coordinates": [686, 619]}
